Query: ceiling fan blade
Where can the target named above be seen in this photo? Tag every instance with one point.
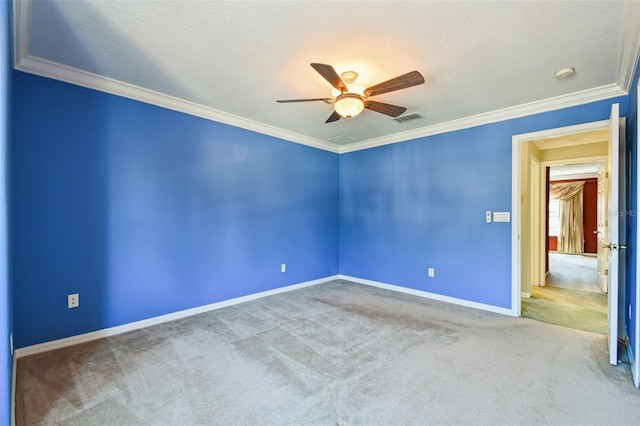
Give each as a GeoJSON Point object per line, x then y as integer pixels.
{"type": "Point", "coordinates": [333, 117]}
{"type": "Point", "coordinates": [386, 109]}
{"type": "Point", "coordinates": [409, 79]}
{"type": "Point", "coordinates": [286, 101]}
{"type": "Point", "coordinates": [331, 76]}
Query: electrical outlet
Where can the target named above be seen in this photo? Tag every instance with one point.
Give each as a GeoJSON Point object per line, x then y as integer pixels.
{"type": "Point", "coordinates": [487, 215]}
{"type": "Point", "coordinates": [283, 267]}
{"type": "Point", "coordinates": [73, 300]}
{"type": "Point", "coordinates": [432, 272]}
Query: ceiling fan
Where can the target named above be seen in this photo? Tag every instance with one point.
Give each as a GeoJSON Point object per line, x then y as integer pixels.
{"type": "Point", "coordinates": [349, 99]}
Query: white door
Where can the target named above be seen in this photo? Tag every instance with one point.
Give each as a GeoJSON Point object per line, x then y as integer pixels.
{"type": "Point", "coordinates": [612, 236]}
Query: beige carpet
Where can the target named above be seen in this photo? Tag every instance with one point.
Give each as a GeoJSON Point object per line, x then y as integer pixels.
{"type": "Point", "coordinates": [571, 297]}
{"type": "Point", "coordinates": [573, 272]}
{"type": "Point", "coordinates": [580, 310]}
{"type": "Point", "coordinates": [333, 354]}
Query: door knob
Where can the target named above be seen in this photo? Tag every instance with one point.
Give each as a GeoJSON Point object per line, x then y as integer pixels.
{"type": "Point", "coordinates": [613, 246]}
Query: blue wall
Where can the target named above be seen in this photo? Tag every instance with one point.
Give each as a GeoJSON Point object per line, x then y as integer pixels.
{"type": "Point", "coordinates": [6, 312]}
{"type": "Point", "coordinates": [144, 211]}
{"type": "Point", "coordinates": [418, 204]}
{"type": "Point", "coordinates": [632, 251]}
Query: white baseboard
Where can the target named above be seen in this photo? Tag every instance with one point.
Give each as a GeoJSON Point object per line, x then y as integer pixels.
{"type": "Point", "coordinates": [13, 391]}
{"type": "Point", "coordinates": [433, 296]}
{"type": "Point", "coordinates": [634, 367]}
{"type": "Point", "coordinates": [112, 331]}
{"type": "Point", "coordinates": [525, 295]}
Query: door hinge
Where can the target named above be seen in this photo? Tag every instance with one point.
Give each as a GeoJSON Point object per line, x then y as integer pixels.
{"type": "Point", "coordinates": [606, 272]}
{"type": "Point", "coordinates": [606, 175]}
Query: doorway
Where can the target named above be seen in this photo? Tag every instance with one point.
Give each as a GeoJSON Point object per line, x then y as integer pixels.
{"type": "Point", "coordinates": [569, 294]}
{"type": "Point", "coordinates": [575, 143]}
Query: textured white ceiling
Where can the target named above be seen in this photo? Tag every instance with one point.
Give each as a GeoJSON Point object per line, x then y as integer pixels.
{"type": "Point", "coordinates": [231, 60]}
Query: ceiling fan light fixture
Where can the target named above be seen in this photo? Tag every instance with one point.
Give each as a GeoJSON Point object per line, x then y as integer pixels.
{"type": "Point", "coordinates": [348, 105]}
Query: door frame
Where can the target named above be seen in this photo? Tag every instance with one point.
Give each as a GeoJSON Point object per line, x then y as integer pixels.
{"type": "Point", "coordinates": [541, 233]}
{"type": "Point", "coordinates": [516, 198]}
{"type": "Point", "coordinates": [536, 189]}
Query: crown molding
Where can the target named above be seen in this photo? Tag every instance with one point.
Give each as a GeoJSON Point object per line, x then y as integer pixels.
{"type": "Point", "coordinates": [630, 44]}
{"type": "Point", "coordinates": [44, 68]}
{"type": "Point", "coordinates": [629, 54]}
{"type": "Point", "coordinates": [22, 61]}
{"type": "Point", "coordinates": [551, 104]}
{"type": "Point", "coordinates": [56, 71]}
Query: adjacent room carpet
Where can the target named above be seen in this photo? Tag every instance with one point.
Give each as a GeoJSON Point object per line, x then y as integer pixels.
{"type": "Point", "coordinates": [338, 353]}
{"type": "Point", "coordinates": [574, 272]}
{"type": "Point", "coordinates": [580, 310]}
{"type": "Point", "coordinates": [571, 297]}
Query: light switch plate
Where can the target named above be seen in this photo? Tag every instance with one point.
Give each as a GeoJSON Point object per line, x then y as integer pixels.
{"type": "Point", "coordinates": [501, 216]}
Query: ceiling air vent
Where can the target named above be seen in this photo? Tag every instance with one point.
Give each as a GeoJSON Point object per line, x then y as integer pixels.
{"type": "Point", "coordinates": [408, 117]}
{"type": "Point", "coordinates": [342, 140]}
